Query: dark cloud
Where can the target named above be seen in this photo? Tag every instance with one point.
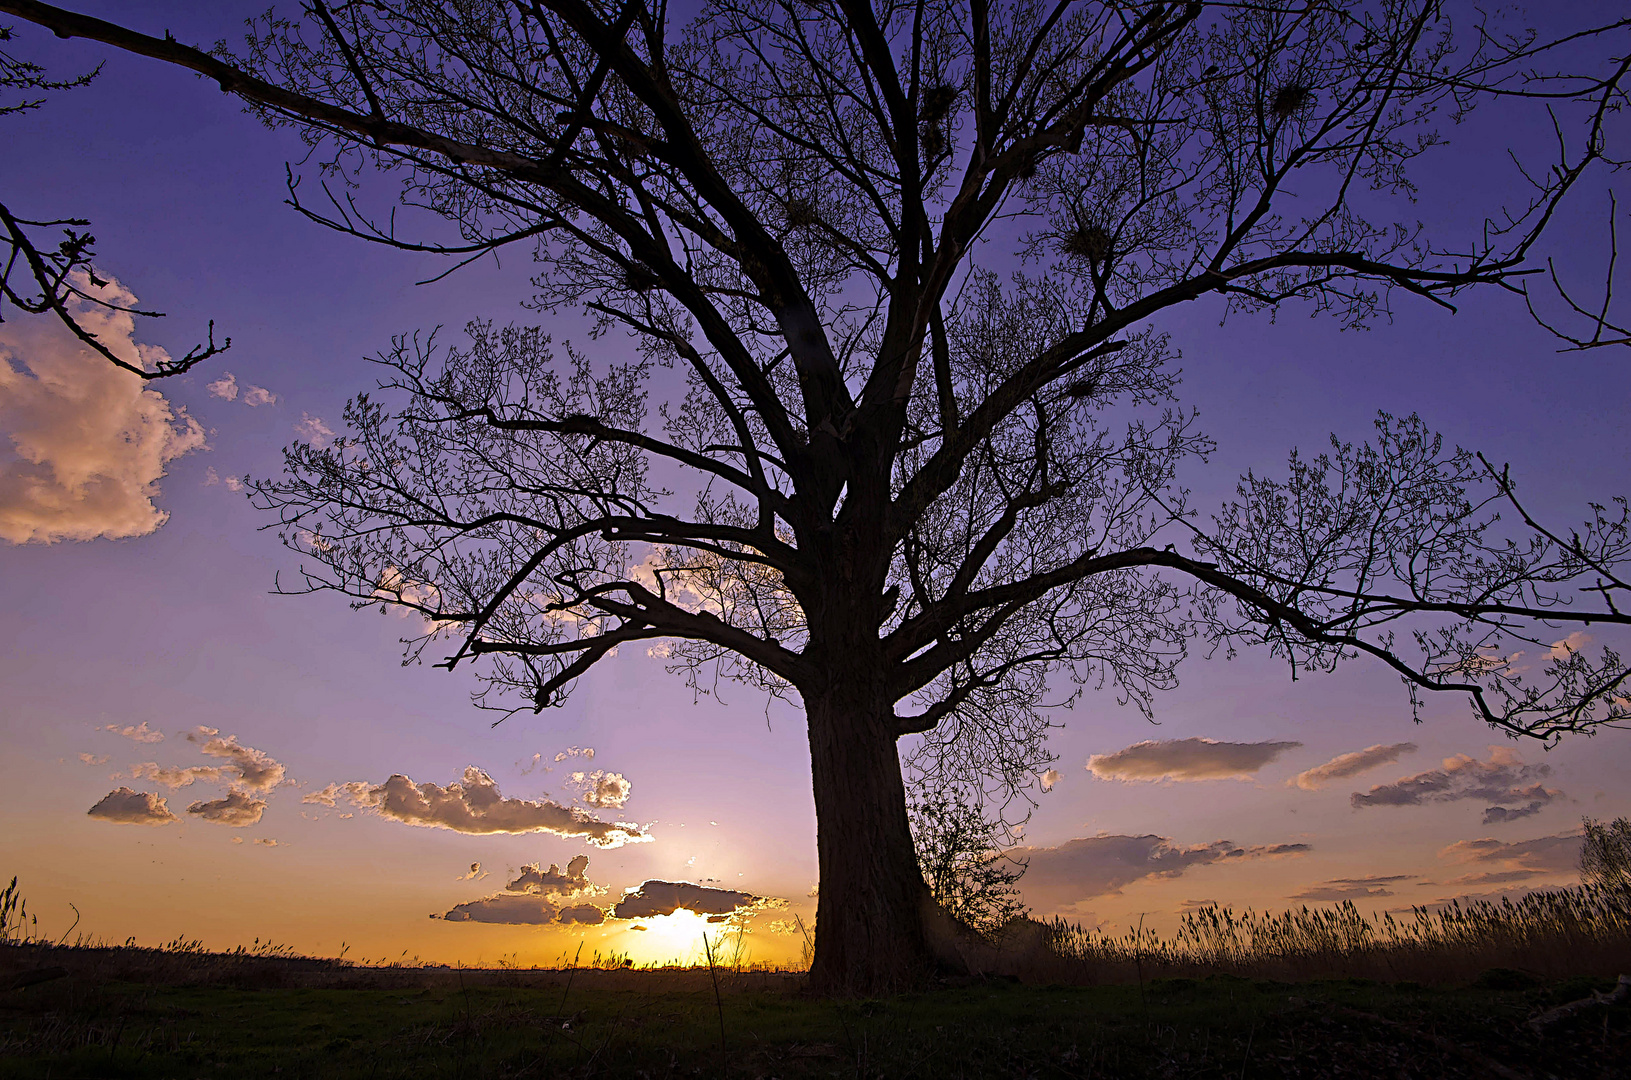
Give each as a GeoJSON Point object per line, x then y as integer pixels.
{"type": "Point", "coordinates": [236, 809]}
{"type": "Point", "coordinates": [1186, 759]}
{"type": "Point", "coordinates": [255, 768]}
{"type": "Point", "coordinates": [587, 914]}
{"type": "Point", "coordinates": [132, 808]}
{"type": "Point", "coordinates": [1352, 888]}
{"type": "Point", "coordinates": [523, 909]}
{"type": "Point", "coordinates": [537, 897]}
{"type": "Point", "coordinates": [666, 897]}
{"type": "Point", "coordinates": [1352, 764]}
{"type": "Point", "coordinates": [476, 806]}
{"type": "Point", "coordinates": [1077, 870]}
{"type": "Point", "coordinates": [1504, 778]}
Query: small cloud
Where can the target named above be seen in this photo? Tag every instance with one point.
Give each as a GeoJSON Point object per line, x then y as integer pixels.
{"type": "Point", "coordinates": [1352, 888]}
{"type": "Point", "coordinates": [132, 808]}
{"type": "Point", "coordinates": [236, 809]}
{"type": "Point", "coordinates": [266, 841]}
{"type": "Point", "coordinates": [476, 873]}
{"type": "Point", "coordinates": [237, 839]}
{"type": "Point", "coordinates": [255, 768]}
{"type": "Point", "coordinates": [474, 805]}
{"type": "Point", "coordinates": [172, 776]}
{"type": "Point", "coordinates": [1186, 759]}
{"type": "Point", "coordinates": [259, 395]}
{"type": "Point", "coordinates": [573, 882]}
{"type": "Point", "coordinates": [225, 388]}
{"type": "Point", "coordinates": [1562, 650]}
{"type": "Point", "coordinates": [1504, 778]}
{"type": "Point", "coordinates": [654, 898]}
{"type": "Point", "coordinates": [587, 752]}
{"type": "Point", "coordinates": [136, 733]}
{"type": "Point", "coordinates": [532, 765]}
{"type": "Point", "coordinates": [606, 790]}
{"type": "Point", "coordinates": [314, 430]}
{"type": "Point", "coordinates": [1049, 778]}
{"type": "Point", "coordinates": [1345, 765]}
{"type": "Point", "coordinates": [93, 759]}
{"type": "Point", "coordinates": [234, 483]}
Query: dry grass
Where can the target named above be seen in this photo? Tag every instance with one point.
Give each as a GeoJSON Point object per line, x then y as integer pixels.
{"type": "Point", "coordinates": [1554, 934]}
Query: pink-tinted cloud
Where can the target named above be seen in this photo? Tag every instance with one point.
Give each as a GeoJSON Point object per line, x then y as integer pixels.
{"type": "Point", "coordinates": [1504, 778]}
{"type": "Point", "coordinates": [86, 443]}
{"type": "Point", "coordinates": [136, 732]}
{"type": "Point", "coordinates": [1498, 862]}
{"type": "Point", "coordinates": [174, 776]}
{"type": "Point", "coordinates": [256, 769]}
{"type": "Point", "coordinates": [475, 805]}
{"type": "Point", "coordinates": [605, 790]}
{"type": "Point", "coordinates": [1058, 877]}
{"type": "Point", "coordinates": [1352, 764]}
{"type": "Point", "coordinates": [1359, 888]}
{"type": "Point", "coordinates": [236, 809]}
{"type": "Point", "coordinates": [1186, 759]}
{"type": "Point", "coordinates": [1049, 777]}
{"type": "Point", "coordinates": [129, 807]}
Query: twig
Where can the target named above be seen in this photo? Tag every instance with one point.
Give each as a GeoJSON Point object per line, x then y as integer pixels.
{"type": "Point", "coordinates": [719, 1005]}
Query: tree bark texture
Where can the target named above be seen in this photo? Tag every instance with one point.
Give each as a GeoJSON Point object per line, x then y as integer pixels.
{"type": "Point", "coordinates": [873, 907]}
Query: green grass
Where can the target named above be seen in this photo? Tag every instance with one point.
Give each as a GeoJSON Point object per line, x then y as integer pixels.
{"type": "Point", "coordinates": [634, 1024]}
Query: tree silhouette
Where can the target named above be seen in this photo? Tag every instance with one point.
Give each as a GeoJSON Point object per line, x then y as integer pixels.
{"type": "Point", "coordinates": [40, 279]}
{"type": "Point", "coordinates": [911, 260]}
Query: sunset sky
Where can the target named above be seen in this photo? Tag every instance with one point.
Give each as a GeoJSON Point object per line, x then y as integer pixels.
{"type": "Point", "coordinates": [183, 753]}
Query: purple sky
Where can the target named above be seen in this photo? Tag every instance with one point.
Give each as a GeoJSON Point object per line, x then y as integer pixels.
{"type": "Point", "coordinates": [175, 628]}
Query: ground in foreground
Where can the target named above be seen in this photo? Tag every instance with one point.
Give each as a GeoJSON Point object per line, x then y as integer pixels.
{"type": "Point", "coordinates": [262, 1019]}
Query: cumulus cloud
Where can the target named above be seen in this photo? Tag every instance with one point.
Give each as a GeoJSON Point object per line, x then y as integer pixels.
{"type": "Point", "coordinates": [1352, 764]}
{"type": "Point", "coordinates": [255, 769]}
{"type": "Point", "coordinates": [1504, 778]}
{"type": "Point", "coordinates": [655, 897]}
{"type": "Point", "coordinates": [93, 759]}
{"type": "Point", "coordinates": [259, 395]}
{"type": "Point", "coordinates": [1496, 862]}
{"type": "Point", "coordinates": [586, 752]}
{"type": "Point", "coordinates": [225, 388]}
{"type": "Point", "coordinates": [266, 841]}
{"type": "Point", "coordinates": [537, 897]}
{"type": "Point", "coordinates": [574, 881]}
{"type": "Point", "coordinates": [1080, 869]}
{"type": "Point", "coordinates": [136, 733]}
{"type": "Point", "coordinates": [88, 442]}
{"type": "Point", "coordinates": [1049, 778]}
{"type": "Point", "coordinates": [606, 790]}
{"type": "Point", "coordinates": [174, 776]}
{"type": "Point", "coordinates": [235, 809]}
{"type": "Point", "coordinates": [1359, 888]}
{"type": "Point", "coordinates": [132, 808]}
{"type": "Point", "coordinates": [314, 430]}
{"type": "Point", "coordinates": [1186, 759]}
{"type": "Point", "coordinates": [475, 805]}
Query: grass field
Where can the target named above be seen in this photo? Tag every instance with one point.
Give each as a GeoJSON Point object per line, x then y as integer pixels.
{"type": "Point", "coordinates": [114, 1015]}
{"type": "Point", "coordinates": [1460, 992]}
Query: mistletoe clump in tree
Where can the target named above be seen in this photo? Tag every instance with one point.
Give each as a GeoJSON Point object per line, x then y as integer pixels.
{"type": "Point", "coordinates": [912, 260]}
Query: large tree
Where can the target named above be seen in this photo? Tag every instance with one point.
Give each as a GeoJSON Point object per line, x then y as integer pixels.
{"type": "Point", "coordinates": [912, 260]}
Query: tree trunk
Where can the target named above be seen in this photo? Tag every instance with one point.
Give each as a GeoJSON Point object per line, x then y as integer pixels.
{"type": "Point", "coordinates": [875, 920]}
